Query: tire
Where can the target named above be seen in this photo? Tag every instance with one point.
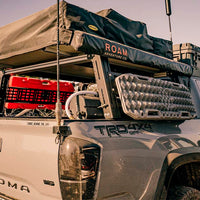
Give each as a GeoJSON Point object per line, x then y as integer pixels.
{"type": "Point", "coordinates": [183, 193]}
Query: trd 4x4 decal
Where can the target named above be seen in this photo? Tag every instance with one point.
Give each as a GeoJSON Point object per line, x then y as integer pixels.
{"type": "Point", "coordinates": [122, 129]}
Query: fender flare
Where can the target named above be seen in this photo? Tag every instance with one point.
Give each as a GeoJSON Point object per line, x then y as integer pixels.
{"type": "Point", "coordinates": [172, 162]}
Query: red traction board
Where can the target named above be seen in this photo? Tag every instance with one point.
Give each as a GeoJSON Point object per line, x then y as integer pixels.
{"type": "Point", "coordinates": [32, 93]}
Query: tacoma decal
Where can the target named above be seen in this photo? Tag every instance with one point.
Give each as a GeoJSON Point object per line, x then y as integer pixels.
{"type": "Point", "coordinates": [122, 129]}
{"type": "Point", "coordinates": [14, 185]}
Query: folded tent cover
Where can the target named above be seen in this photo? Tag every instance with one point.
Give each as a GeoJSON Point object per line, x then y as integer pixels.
{"type": "Point", "coordinates": [33, 39]}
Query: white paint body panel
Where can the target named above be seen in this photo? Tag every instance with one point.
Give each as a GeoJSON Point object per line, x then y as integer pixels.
{"type": "Point", "coordinates": [29, 155]}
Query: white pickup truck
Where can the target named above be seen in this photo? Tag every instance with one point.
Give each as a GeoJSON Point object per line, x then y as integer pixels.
{"type": "Point", "coordinates": [129, 131]}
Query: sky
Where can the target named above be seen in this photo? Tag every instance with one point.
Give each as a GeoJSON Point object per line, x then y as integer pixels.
{"type": "Point", "coordinates": [185, 16]}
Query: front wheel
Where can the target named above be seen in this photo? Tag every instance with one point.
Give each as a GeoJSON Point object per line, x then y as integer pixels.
{"type": "Point", "coordinates": [183, 193]}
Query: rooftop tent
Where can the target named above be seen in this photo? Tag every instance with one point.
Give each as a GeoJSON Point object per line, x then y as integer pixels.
{"type": "Point", "coordinates": [145, 41]}
{"type": "Point", "coordinates": [23, 42]}
{"type": "Point", "coordinates": [33, 39]}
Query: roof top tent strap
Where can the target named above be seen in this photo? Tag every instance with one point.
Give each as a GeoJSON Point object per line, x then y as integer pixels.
{"type": "Point", "coordinates": [58, 109]}
{"type": "Point", "coordinates": [104, 80]}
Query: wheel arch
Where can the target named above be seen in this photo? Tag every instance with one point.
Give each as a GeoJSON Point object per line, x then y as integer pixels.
{"type": "Point", "coordinates": [184, 166]}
